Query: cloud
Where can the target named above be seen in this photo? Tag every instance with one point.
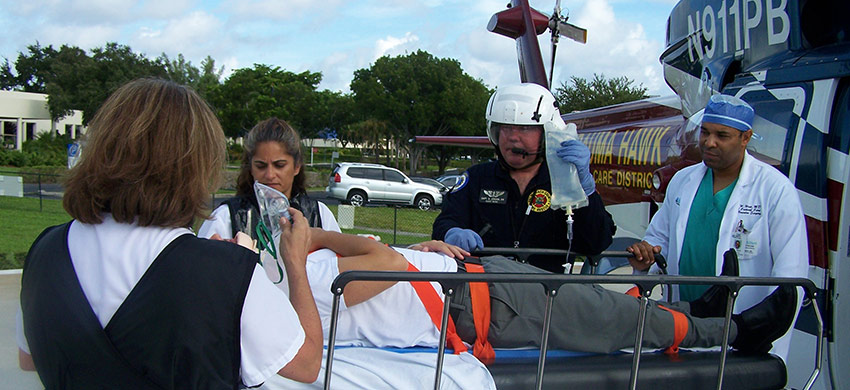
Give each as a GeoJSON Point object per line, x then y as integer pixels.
{"type": "Point", "coordinates": [194, 35]}
{"type": "Point", "coordinates": [165, 9]}
{"type": "Point", "coordinates": [616, 47]}
{"type": "Point", "coordinates": [279, 10]}
{"type": "Point", "coordinates": [337, 71]}
{"type": "Point", "coordinates": [396, 46]}
{"type": "Point", "coordinates": [337, 37]}
{"type": "Point", "coordinates": [81, 11]}
{"type": "Point", "coordinates": [84, 37]}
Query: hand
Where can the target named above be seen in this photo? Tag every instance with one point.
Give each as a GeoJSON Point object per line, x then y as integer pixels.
{"type": "Point", "coordinates": [575, 152]}
{"type": "Point", "coordinates": [644, 255]}
{"type": "Point", "coordinates": [440, 247]}
{"type": "Point", "coordinates": [464, 238]}
{"type": "Point", "coordinates": [241, 239]}
{"type": "Point", "coordinates": [217, 237]}
{"type": "Point", "coordinates": [294, 239]}
{"type": "Point", "coordinates": [246, 241]}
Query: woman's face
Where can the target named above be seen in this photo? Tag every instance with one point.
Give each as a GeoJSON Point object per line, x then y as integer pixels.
{"type": "Point", "coordinates": [274, 167]}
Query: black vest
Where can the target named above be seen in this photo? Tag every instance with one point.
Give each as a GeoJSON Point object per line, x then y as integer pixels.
{"type": "Point", "coordinates": [179, 328]}
{"type": "Point", "coordinates": [244, 213]}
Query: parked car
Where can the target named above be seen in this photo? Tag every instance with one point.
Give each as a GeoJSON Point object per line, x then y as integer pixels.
{"type": "Point", "coordinates": [360, 183]}
{"type": "Point", "coordinates": [431, 182]}
{"type": "Point", "coordinates": [450, 180]}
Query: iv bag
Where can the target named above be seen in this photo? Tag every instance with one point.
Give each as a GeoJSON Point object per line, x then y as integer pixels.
{"type": "Point", "coordinates": [566, 186]}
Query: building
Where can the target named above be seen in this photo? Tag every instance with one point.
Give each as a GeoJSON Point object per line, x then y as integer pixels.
{"type": "Point", "coordinates": [24, 115]}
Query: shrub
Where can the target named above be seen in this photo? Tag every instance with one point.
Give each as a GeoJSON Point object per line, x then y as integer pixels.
{"type": "Point", "coordinates": [47, 149]}
{"type": "Point", "coordinates": [234, 153]}
{"type": "Point", "coordinates": [16, 158]}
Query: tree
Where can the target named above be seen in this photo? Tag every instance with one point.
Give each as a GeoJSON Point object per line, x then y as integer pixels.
{"type": "Point", "coordinates": [599, 92]}
{"type": "Point", "coordinates": [419, 94]}
{"type": "Point", "coordinates": [182, 72]}
{"type": "Point", "coordinates": [75, 80]}
{"type": "Point", "coordinates": [32, 69]}
{"type": "Point", "coordinates": [250, 95]}
{"type": "Point", "coordinates": [82, 83]}
{"type": "Point", "coordinates": [179, 70]}
{"type": "Point", "coordinates": [370, 132]}
{"type": "Point", "coordinates": [210, 78]}
{"type": "Point", "coordinates": [331, 113]}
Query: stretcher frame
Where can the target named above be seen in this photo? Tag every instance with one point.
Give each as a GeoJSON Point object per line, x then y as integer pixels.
{"type": "Point", "coordinates": [551, 283]}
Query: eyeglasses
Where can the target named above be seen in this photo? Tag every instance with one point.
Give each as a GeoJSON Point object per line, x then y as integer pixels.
{"type": "Point", "coordinates": [518, 128]}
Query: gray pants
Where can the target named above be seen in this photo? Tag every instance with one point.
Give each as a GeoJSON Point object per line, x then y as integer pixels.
{"type": "Point", "coordinates": [585, 317]}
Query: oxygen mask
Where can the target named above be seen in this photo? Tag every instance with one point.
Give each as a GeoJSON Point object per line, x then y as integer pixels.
{"type": "Point", "coordinates": [273, 206]}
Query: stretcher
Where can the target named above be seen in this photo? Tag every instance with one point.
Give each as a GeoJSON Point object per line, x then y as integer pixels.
{"type": "Point", "coordinates": [694, 370]}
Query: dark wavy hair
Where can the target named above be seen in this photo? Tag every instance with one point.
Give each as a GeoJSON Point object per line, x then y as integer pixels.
{"type": "Point", "coordinates": [154, 153]}
{"type": "Point", "coordinates": [270, 130]}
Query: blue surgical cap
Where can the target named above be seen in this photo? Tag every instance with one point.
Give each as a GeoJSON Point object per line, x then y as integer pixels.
{"type": "Point", "coordinates": [729, 111]}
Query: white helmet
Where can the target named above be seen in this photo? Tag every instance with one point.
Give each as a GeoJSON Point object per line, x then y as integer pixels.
{"type": "Point", "coordinates": [521, 104]}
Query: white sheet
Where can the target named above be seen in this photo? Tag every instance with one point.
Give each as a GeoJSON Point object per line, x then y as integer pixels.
{"type": "Point", "coordinates": [374, 368]}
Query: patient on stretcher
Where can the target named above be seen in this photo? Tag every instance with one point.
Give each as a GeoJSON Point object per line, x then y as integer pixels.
{"type": "Point", "coordinates": [585, 318]}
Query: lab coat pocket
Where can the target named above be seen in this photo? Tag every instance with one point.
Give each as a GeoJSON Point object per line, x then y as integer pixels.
{"type": "Point", "coordinates": [745, 238]}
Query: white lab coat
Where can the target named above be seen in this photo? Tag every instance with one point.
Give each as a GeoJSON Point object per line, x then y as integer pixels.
{"type": "Point", "coordinates": [773, 242]}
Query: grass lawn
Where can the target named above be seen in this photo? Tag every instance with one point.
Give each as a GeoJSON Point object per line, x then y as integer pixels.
{"type": "Point", "coordinates": [21, 221]}
{"type": "Point", "coordinates": [409, 224]}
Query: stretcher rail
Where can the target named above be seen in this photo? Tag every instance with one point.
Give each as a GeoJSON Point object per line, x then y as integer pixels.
{"type": "Point", "coordinates": [551, 283]}
{"type": "Point", "coordinates": [522, 254]}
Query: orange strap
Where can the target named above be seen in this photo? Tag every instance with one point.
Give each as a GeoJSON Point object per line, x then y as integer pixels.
{"type": "Point", "coordinates": [633, 292]}
{"type": "Point", "coordinates": [479, 293]}
{"type": "Point", "coordinates": [434, 306]}
{"type": "Point", "coordinates": [680, 329]}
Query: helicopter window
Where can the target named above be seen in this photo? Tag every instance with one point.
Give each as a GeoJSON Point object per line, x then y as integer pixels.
{"type": "Point", "coordinates": [841, 118]}
{"type": "Point", "coordinates": [774, 128]}
{"type": "Point", "coordinates": [825, 22]}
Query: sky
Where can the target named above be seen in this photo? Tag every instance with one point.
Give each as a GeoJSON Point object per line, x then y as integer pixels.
{"type": "Point", "coordinates": [337, 37]}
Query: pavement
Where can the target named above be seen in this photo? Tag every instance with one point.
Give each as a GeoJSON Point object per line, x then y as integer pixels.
{"type": "Point", "coordinates": [12, 376]}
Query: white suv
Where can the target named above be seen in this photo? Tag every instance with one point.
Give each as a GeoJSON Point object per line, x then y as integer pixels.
{"type": "Point", "coordinates": [359, 183]}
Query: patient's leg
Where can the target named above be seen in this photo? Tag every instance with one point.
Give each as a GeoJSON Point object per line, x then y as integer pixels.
{"type": "Point", "coordinates": [593, 319]}
{"type": "Point", "coordinates": [585, 318]}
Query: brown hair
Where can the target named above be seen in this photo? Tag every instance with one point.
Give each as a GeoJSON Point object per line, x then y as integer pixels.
{"type": "Point", "coordinates": [155, 150]}
{"type": "Point", "coordinates": [270, 130]}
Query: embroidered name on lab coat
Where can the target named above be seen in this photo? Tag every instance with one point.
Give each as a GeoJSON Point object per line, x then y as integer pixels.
{"type": "Point", "coordinates": [749, 209]}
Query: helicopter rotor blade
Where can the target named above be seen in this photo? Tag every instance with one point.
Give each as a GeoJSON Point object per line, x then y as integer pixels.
{"type": "Point", "coordinates": [573, 32]}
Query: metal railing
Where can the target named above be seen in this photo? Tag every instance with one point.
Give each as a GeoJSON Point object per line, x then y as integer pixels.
{"type": "Point", "coordinates": [551, 284]}
{"type": "Point", "coordinates": [40, 178]}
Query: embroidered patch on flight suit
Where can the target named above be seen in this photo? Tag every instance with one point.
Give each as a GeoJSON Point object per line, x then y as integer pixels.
{"type": "Point", "coordinates": [464, 178]}
{"type": "Point", "coordinates": [540, 201]}
{"type": "Point", "coordinates": [493, 196]}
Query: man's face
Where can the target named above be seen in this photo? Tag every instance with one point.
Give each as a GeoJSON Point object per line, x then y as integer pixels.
{"type": "Point", "coordinates": [722, 146]}
{"type": "Point", "coordinates": [516, 139]}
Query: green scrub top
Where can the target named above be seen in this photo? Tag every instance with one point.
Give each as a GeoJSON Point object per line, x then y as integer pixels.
{"type": "Point", "coordinates": [699, 249]}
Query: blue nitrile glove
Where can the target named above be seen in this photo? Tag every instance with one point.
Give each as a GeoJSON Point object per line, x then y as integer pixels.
{"type": "Point", "coordinates": [573, 151]}
{"type": "Point", "coordinates": [464, 238]}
